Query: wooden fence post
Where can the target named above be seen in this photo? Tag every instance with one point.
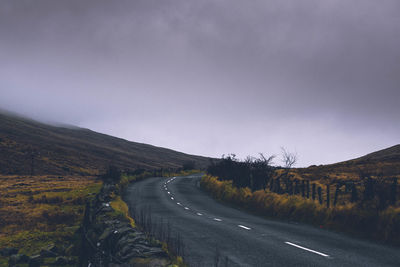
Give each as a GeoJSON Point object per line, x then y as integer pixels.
{"type": "Point", "coordinates": [278, 185]}
{"type": "Point", "coordinates": [290, 188]}
{"type": "Point", "coordinates": [336, 194]}
{"type": "Point", "coordinates": [347, 188]}
{"type": "Point", "coordinates": [393, 191]}
{"type": "Point", "coordinates": [369, 188]}
{"type": "Point", "coordinates": [354, 195]}
{"type": "Point", "coordinates": [296, 187]}
{"type": "Point", "coordinates": [328, 199]}
{"type": "Point", "coordinates": [308, 188]}
{"type": "Point", "coordinates": [313, 192]}
{"type": "Point", "coordinates": [320, 195]}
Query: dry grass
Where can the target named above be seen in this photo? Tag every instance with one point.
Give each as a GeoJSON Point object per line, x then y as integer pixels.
{"type": "Point", "coordinates": [40, 210]}
{"type": "Point", "coordinates": [353, 218]}
{"type": "Point", "coordinates": [348, 171]}
{"type": "Point", "coordinates": [121, 207]}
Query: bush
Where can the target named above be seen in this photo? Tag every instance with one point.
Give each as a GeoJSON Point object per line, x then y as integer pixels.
{"type": "Point", "coordinates": [188, 165]}
{"type": "Point", "coordinates": [113, 174]}
{"type": "Point", "coordinates": [254, 173]}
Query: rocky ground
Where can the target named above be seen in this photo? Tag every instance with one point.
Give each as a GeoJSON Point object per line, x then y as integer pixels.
{"type": "Point", "coordinates": [49, 256]}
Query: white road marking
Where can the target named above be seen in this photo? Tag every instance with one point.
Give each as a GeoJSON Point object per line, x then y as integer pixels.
{"type": "Point", "coordinates": [172, 198]}
{"type": "Point", "coordinates": [186, 208]}
{"type": "Point", "coordinates": [244, 227]}
{"type": "Point", "coordinates": [169, 193]}
{"type": "Point", "coordinates": [199, 214]}
{"type": "Point", "coordinates": [166, 189]}
{"type": "Point", "coordinates": [307, 249]}
{"type": "Point", "coordinates": [178, 203]}
{"type": "Point", "coordinates": [218, 220]}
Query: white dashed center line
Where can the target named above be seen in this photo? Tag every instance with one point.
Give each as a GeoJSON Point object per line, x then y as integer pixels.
{"type": "Point", "coordinates": [307, 249]}
{"type": "Point", "coordinates": [198, 213]}
{"type": "Point", "coordinates": [244, 227]}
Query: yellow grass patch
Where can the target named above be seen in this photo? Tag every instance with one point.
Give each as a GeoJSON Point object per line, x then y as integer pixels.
{"type": "Point", "coordinates": [40, 210]}
{"type": "Point", "coordinates": [120, 206]}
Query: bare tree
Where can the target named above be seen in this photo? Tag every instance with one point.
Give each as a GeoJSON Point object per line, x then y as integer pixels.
{"type": "Point", "coordinates": [289, 160]}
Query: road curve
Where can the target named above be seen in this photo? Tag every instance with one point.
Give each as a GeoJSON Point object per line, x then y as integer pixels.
{"type": "Point", "coordinates": [245, 239]}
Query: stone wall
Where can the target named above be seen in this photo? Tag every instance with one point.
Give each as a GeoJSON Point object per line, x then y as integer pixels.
{"type": "Point", "coordinates": [108, 239]}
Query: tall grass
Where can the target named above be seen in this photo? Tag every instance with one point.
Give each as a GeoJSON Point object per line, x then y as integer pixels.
{"type": "Point", "coordinates": [351, 218]}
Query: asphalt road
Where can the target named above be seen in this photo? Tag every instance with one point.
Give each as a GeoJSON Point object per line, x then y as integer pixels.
{"type": "Point", "coordinates": [242, 239]}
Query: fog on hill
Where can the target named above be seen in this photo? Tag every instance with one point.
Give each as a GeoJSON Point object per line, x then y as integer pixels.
{"type": "Point", "coordinates": [210, 77]}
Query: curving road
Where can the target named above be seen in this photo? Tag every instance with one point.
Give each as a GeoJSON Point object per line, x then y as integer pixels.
{"type": "Point", "coordinates": [242, 239]}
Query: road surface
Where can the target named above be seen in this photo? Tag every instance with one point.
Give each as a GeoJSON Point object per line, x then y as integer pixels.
{"type": "Point", "coordinates": [209, 228]}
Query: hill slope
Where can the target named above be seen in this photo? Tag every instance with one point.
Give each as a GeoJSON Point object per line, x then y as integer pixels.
{"type": "Point", "coordinates": [384, 163]}
{"type": "Point", "coordinates": [73, 150]}
{"type": "Point", "coordinates": [391, 154]}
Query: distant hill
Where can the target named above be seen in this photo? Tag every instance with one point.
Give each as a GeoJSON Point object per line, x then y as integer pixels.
{"type": "Point", "coordinates": [391, 154]}
{"type": "Point", "coordinates": [65, 150]}
{"type": "Point", "coordinates": [383, 163]}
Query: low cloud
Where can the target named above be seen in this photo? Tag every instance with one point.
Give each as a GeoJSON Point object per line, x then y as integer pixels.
{"type": "Point", "coordinates": [210, 77]}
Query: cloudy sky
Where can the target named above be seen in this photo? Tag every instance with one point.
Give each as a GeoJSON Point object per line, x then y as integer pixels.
{"type": "Point", "coordinates": [210, 77]}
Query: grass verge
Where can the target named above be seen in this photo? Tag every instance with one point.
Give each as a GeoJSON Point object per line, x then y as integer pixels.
{"type": "Point", "coordinates": [121, 207]}
{"type": "Point", "coordinates": [351, 218]}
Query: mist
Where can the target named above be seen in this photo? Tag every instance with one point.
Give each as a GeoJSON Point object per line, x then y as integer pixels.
{"type": "Point", "coordinates": [320, 78]}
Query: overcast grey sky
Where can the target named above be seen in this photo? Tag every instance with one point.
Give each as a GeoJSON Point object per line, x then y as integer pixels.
{"type": "Point", "coordinates": [208, 77]}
